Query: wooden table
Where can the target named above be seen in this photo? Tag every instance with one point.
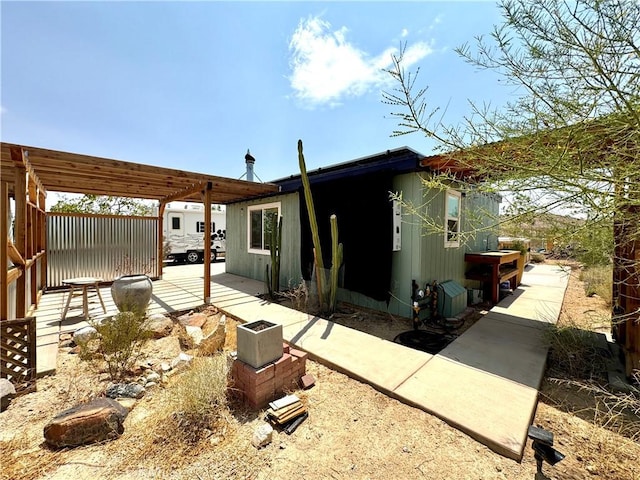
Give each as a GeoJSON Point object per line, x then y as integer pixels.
{"type": "Point", "coordinates": [493, 268]}
{"type": "Point", "coordinates": [84, 284]}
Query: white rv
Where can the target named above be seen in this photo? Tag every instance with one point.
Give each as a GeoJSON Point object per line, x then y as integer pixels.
{"type": "Point", "coordinates": [184, 232]}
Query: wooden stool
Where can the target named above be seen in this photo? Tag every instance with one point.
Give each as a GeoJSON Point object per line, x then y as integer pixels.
{"type": "Point", "coordinates": [83, 283]}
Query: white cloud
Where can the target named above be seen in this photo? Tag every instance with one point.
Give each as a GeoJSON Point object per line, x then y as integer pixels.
{"type": "Point", "coordinates": [326, 68]}
{"type": "Point", "coordinates": [2, 110]}
{"type": "Point", "coordinates": [436, 21]}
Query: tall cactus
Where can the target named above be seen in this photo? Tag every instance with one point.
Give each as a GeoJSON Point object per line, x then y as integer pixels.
{"type": "Point", "coordinates": [314, 228]}
{"type": "Point", "coordinates": [273, 280]}
{"type": "Point", "coordinates": [336, 248]}
{"type": "Point", "coordinates": [336, 262]}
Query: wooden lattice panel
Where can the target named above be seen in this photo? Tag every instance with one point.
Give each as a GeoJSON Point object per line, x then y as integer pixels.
{"type": "Point", "coordinates": [18, 353]}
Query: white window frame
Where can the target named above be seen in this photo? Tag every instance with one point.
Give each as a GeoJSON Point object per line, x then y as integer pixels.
{"type": "Point", "coordinates": [452, 243]}
{"type": "Point", "coordinates": [253, 208]}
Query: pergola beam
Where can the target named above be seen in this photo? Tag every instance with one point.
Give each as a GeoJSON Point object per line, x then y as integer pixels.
{"type": "Point", "coordinates": [185, 192]}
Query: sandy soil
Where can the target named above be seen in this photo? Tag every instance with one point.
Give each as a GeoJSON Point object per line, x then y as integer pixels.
{"type": "Point", "coordinates": [353, 431]}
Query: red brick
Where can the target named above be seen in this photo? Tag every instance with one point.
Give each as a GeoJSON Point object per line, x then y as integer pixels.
{"type": "Point", "coordinates": [248, 368]}
{"type": "Point", "coordinates": [283, 363]}
{"type": "Point", "coordinates": [259, 400]}
{"type": "Point", "coordinates": [258, 390]}
{"type": "Point", "coordinates": [298, 353]}
{"type": "Point", "coordinates": [302, 366]}
{"type": "Point", "coordinates": [285, 348]}
{"type": "Point", "coordinates": [307, 381]}
{"type": "Point", "coordinates": [261, 391]}
{"type": "Point", "coordinates": [235, 381]}
{"type": "Point", "coordinates": [265, 373]}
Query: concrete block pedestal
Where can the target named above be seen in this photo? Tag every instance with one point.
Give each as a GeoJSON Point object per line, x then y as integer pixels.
{"type": "Point", "coordinates": [259, 386]}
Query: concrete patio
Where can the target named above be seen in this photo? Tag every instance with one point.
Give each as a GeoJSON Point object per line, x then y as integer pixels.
{"type": "Point", "coordinates": [485, 383]}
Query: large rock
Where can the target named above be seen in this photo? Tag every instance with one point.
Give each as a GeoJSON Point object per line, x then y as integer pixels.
{"type": "Point", "coordinates": [125, 390]}
{"type": "Point", "coordinates": [194, 335]}
{"type": "Point", "coordinates": [159, 325]}
{"type": "Point", "coordinates": [193, 319]}
{"type": "Point", "coordinates": [160, 350]}
{"type": "Point", "coordinates": [84, 334]}
{"type": "Point", "coordinates": [7, 392]}
{"type": "Point", "coordinates": [262, 435]}
{"type": "Point", "coordinates": [214, 341]}
{"type": "Point", "coordinates": [97, 421]}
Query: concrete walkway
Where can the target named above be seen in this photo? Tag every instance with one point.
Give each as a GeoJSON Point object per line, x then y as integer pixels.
{"type": "Point", "coordinates": [485, 383]}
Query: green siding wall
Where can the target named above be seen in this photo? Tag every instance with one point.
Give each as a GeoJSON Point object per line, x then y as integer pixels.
{"type": "Point", "coordinates": [240, 262]}
{"type": "Point", "coordinates": [423, 256]}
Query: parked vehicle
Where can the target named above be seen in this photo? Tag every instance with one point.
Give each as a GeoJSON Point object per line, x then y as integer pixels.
{"type": "Point", "coordinates": [184, 233]}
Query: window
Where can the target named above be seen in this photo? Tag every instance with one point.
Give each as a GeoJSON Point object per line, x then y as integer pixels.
{"type": "Point", "coordinates": [200, 227]}
{"type": "Point", "coordinates": [262, 219]}
{"type": "Point", "coordinates": [452, 219]}
{"type": "Point", "coordinates": [175, 223]}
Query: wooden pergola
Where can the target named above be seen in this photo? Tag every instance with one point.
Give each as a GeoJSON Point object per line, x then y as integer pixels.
{"type": "Point", "coordinates": [27, 173]}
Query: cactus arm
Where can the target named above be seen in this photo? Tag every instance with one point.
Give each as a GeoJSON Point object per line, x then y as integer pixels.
{"type": "Point", "coordinates": [336, 257]}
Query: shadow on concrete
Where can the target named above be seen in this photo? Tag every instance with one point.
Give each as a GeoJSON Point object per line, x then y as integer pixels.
{"type": "Point", "coordinates": [498, 345]}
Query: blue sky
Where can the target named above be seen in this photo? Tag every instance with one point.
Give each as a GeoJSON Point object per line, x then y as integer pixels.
{"type": "Point", "coordinates": [193, 85]}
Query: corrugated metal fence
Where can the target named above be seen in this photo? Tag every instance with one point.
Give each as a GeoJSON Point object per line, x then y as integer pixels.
{"type": "Point", "coordinates": [103, 246]}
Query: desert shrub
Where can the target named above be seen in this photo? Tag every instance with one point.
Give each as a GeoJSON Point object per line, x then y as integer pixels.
{"type": "Point", "coordinates": [598, 280]}
{"type": "Point", "coordinates": [577, 363]}
{"type": "Point", "coordinates": [298, 296]}
{"type": "Point", "coordinates": [537, 257]}
{"type": "Point", "coordinates": [118, 343]}
{"type": "Point", "coordinates": [574, 352]}
{"type": "Point", "coordinates": [197, 399]}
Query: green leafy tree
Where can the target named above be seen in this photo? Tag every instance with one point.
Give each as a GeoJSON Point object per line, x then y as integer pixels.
{"type": "Point", "coordinates": [101, 204]}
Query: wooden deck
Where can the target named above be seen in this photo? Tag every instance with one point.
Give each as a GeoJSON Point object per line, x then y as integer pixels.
{"type": "Point", "coordinates": [181, 288]}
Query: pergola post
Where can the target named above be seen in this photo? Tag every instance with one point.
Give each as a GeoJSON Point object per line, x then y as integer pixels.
{"type": "Point", "coordinates": [20, 224]}
{"type": "Point", "coordinates": [42, 238]}
{"type": "Point", "coordinates": [161, 208]}
{"type": "Point", "coordinates": [4, 246]}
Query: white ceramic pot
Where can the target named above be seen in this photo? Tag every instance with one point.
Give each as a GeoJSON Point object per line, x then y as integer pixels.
{"type": "Point", "coordinates": [132, 293]}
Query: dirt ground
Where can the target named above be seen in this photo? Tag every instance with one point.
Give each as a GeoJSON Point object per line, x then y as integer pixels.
{"type": "Point", "coordinates": [353, 431]}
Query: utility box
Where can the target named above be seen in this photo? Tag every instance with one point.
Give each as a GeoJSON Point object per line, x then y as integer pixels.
{"type": "Point", "coordinates": [452, 299]}
{"type": "Point", "coordinates": [474, 296]}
